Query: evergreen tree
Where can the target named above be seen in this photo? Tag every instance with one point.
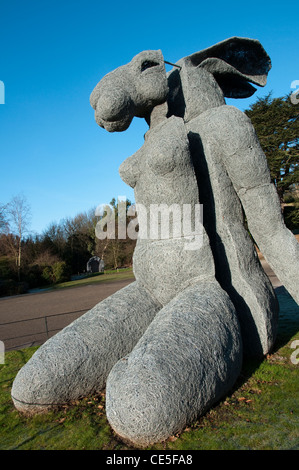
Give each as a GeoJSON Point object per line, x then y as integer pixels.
{"type": "Point", "coordinates": [276, 121]}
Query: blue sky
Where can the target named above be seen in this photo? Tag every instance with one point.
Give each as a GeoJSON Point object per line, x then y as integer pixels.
{"type": "Point", "coordinates": [53, 53]}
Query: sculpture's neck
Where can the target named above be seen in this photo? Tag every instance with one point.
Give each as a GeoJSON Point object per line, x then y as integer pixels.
{"type": "Point", "coordinates": [158, 114]}
{"type": "Point", "coordinates": [200, 91]}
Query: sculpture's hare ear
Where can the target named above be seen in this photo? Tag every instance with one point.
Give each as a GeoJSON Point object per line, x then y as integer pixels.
{"type": "Point", "coordinates": [234, 62]}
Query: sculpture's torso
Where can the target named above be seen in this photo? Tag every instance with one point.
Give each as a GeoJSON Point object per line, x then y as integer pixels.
{"type": "Point", "coordinates": [182, 163]}
{"type": "Point", "coordinates": [162, 172]}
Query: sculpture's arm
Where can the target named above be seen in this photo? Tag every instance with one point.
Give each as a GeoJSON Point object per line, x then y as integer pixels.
{"type": "Point", "coordinates": [247, 167]}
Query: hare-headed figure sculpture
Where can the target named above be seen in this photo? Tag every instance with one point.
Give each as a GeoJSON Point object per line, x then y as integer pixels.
{"type": "Point", "coordinates": [171, 343]}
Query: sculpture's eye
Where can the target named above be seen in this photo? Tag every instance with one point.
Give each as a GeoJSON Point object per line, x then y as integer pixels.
{"type": "Point", "coordinates": [147, 64]}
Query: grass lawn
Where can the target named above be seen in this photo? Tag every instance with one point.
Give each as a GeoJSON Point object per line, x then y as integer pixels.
{"type": "Point", "coordinates": [261, 413]}
{"type": "Point", "coordinates": [107, 276]}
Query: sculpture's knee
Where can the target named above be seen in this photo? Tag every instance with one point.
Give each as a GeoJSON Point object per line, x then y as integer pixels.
{"type": "Point", "coordinates": [188, 358]}
{"type": "Point", "coordinates": [47, 379]}
{"type": "Point", "coordinates": [77, 360]}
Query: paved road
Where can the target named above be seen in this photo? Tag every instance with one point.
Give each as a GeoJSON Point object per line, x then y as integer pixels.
{"type": "Point", "coordinates": [30, 319]}
{"type": "Point", "coordinates": [33, 318]}
{"type": "Point", "coordinates": [271, 274]}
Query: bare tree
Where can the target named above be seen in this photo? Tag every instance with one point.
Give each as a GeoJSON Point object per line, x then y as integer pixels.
{"type": "Point", "coordinates": [3, 222]}
{"type": "Point", "coordinates": [18, 217]}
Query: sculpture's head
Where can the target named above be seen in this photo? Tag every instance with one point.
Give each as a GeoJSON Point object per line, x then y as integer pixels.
{"type": "Point", "coordinates": [131, 90]}
{"type": "Point", "coordinates": [198, 82]}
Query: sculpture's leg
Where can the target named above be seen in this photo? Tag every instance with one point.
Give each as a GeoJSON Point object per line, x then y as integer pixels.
{"type": "Point", "coordinates": [77, 360]}
{"type": "Point", "coordinates": [238, 269]}
{"type": "Point", "coordinates": [188, 358]}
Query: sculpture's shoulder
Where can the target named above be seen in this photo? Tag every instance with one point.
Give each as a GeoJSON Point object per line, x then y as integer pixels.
{"type": "Point", "coordinates": [173, 125]}
{"type": "Point", "coordinates": [226, 128]}
{"type": "Point", "coordinates": [229, 133]}
{"type": "Point", "coordinates": [222, 121]}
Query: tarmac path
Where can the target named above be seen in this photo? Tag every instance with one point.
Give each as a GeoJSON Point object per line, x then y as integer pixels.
{"type": "Point", "coordinates": [30, 319]}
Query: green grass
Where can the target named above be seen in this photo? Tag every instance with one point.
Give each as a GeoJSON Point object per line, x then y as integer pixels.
{"type": "Point", "coordinates": [261, 413]}
{"type": "Point", "coordinates": [107, 276]}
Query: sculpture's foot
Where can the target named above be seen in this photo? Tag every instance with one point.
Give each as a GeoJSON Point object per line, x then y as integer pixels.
{"type": "Point", "coordinates": [189, 357]}
{"type": "Point", "coordinates": [77, 360]}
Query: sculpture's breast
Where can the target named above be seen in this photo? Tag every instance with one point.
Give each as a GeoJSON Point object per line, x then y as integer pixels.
{"type": "Point", "coordinates": [130, 170]}
{"type": "Point", "coordinates": [162, 171]}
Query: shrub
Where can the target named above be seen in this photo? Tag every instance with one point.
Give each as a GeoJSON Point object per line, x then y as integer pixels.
{"type": "Point", "coordinates": [60, 271]}
{"type": "Point", "coordinates": [56, 273]}
{"type": "Point", "coordinates": [288, 198]}
{"type": "Point", "coordinates": [11, 287]}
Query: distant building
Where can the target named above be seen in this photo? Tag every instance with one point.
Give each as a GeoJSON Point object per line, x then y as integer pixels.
{"type": "Point", "coordinates": [95, 265]}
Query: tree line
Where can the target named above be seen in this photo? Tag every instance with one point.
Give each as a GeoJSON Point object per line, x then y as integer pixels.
{"type": "Point", "coordinates": [276, 121]}
{"type": "Point", "coordinates": [64, 248]}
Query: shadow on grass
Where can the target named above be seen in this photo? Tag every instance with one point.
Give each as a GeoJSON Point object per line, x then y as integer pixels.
{"type": "Point", "coordinates": [288, 326]}
{"type": "Point", "coordinates": [32, 438]}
